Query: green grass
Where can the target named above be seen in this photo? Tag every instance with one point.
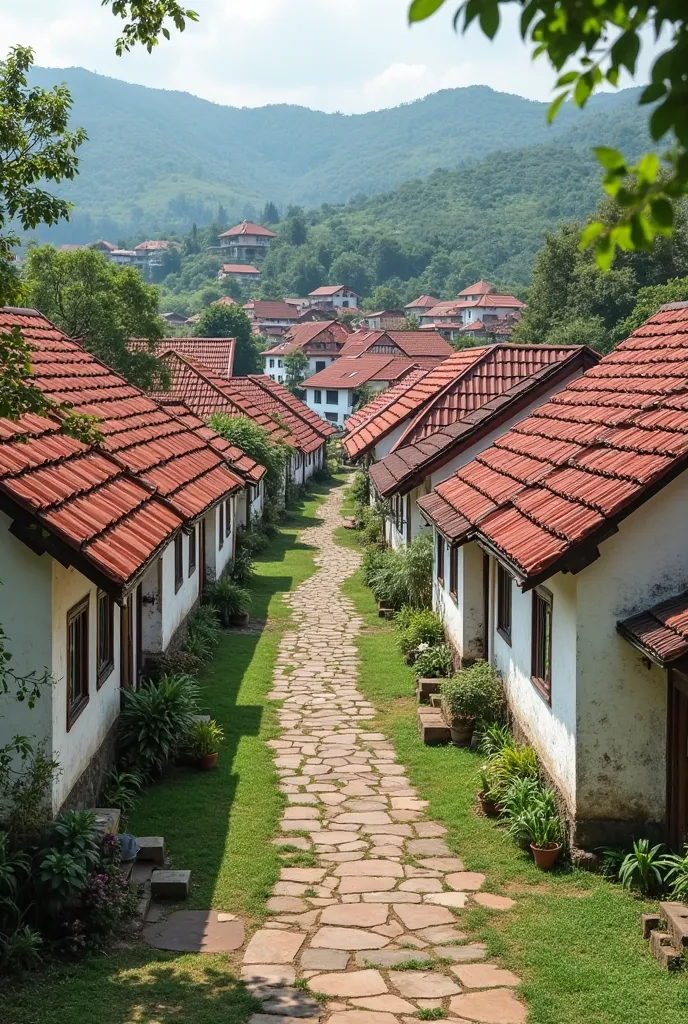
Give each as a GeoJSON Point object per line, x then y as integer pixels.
{"type": "Point", "coordinates": [219, 824]}
{"type": "Point", "coordinates": [573, 938]}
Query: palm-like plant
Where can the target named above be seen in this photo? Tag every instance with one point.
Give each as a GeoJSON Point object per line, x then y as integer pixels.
{"type": "Point", "coordinates": [156, 722]}
{"type": "Point", "coordinates": [645, 867]}
{"type": "Point", "coordinates": [677, 875]}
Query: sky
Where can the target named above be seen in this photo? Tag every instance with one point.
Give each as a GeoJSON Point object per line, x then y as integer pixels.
{"type": "Point", "coordinates": [345, 55]}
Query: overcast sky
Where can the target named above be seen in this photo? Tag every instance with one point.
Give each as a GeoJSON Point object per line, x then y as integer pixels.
{"type": "Point", "coordinates": [347, 55]}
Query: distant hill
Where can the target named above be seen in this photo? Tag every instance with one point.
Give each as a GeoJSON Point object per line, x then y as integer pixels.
{"type": "Point", "coordinates": [158, 160]}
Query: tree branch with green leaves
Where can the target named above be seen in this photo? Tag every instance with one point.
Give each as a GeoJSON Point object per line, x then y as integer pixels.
{"type": "Point", "coordinates": [601, 39]}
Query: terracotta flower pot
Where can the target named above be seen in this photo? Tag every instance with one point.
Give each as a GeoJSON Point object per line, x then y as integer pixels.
{"type": "Point", "coordinates": [461, 730]}
{"type": "Point", "coordinates": [238, 619]}
{"type": "Point", "coordinates": [489, 807]}
{"type": "Point", "coordinates": [546, 855]}
{"type": "Point", "coordinates": [206, 762]}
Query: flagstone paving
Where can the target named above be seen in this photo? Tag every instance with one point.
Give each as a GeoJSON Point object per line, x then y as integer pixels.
{"type": "Point", "coordinates": [386, 886]}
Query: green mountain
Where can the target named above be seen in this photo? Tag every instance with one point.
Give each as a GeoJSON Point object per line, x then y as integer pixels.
{"type": "Point", "coordinates": [158, 160]}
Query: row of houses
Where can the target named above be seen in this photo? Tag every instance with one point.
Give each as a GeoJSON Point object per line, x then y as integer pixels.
{"type": "Point", "coordinates": [106, 548]}
{"type": "Point", "coordinates": [552, 483]}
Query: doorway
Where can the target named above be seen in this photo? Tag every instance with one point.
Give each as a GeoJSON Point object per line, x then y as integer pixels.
{"type": "Point", "coordinates": [677, 760]}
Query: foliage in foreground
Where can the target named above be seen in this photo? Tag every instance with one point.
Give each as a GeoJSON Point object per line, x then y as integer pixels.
{"type": "Point", "coordinates": [403, 577]}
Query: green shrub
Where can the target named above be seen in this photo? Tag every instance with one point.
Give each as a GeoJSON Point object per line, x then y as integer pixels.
{"type": "Point", "coordinates": [521, 796]}
{"type": "Point", "coordinates": [509, 765]}
{"type": "Point", "coordinates": [421, 627]}
{"type": "Point", "coordinates": [203, 633]}
{"type": "Point", "coordinates": [474, 692]}
{"type": "Point", "coordinates": [645, 867]}
{"type": "Point", "coordinates": [677, 875]}
{"type": "Point", "coordinates": [540, 824]}
{"type": "Point", "coordinates": [242, 568]}
{"type": "Point", "coordinates": [229, 598]}
{"type": "Point", "coordinates": [122, 790]}
{"type": "Point", "coordinates": [418, 572]}
{"type": "Point", "coordinates": [402, 577]}
{"type": "Point", "coordinates": [433, 662]}
{"type": "Point", "coordinates": [206, 738]}
{"type": "Point", "coordinates": [173, 663]}
{"type": "Point", "coordinates": [494, 738]}
{"type": "Point", "coordinates": [360, 488]}
{"type": "Point", "coordinates": [155, 723]}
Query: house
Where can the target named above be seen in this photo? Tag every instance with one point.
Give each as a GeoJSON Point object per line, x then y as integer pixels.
{"type": "Point", "coordinates": [386, 319]}
{"type": "Point", "coordinates": [320, 342]}
{"type": "Point", "coordinates": [238, 272]}
{"type": "Point", "coordinates": [480, 301]}
{"type": "Point", "coordinates": [125, 257]}
{"type": "Point", "coordinates": [217, 353]}
{"type": "Point", "coordinates": [426, 348]}
{"type": "Point", "coordinates": [150, 254]}
{"type": "Point", "coordinates": [561, 557]}
{"type": "Point", "coordinates": [268, 317]}
{"type": "Point", "coordinates": [246, 242]}
{"type": "Point", "coordinates": [421, 305]}
{"type": "Point", "coordinates": [334, 296]}
{"type": "Point", "coordinates": [310, 315]}
{"type": "Point", "coordinates": [451, 414]}
{"type": "Point", "coordinates": [104, 550]}
{"type": "Point", "coordinates": [334, 391]}
{"type": "Point", "coordinates": [257, 398]}
{"type": "Point", "coordinates": [101, 245]}
{"type": "Point", "coordinates": [174, 319]}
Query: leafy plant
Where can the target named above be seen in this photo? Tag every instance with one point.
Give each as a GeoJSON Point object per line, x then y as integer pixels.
{"type": "Point", "coordinates": [645, 867]}
{"type": "Point", "coordinates": [431, 1013]}
{"type": "Point", "coordinates": [419, 627]}
{"type": "Point", "coordinates": [494, 738]}
{"type": "Point", "coordinates": [474, 692]}
{"type": "Point", "coordinates": [509, 765]}
{"type": "Point", "coordinates": [203, 633]}
{"type": "Point", "coordinates": [521, 796]}
{"type": "Point", "coordinates": [156, 722]}
{"type": "Point", "coordinates": [29, 808]}
{"type": "Point", "coordinates": [122, 790]}
{"type": "Point", "coordinates": [20, 950]}
{"type": "Point", "coordinates": [242, 568]}
{"type": "Point", "coordinates": [60, 876]}
{"type": "Point", "coordinates": [611, 859]}
{"type": "Point", "coordinates": [173, 663]}
{"type": "Point", "coordinates": [542, 825]}
{"type": "Point", "coordinates": [526, 806]}
{"type": "Point", "coordinates": [433, 662]}
{"type": "Point", "coordinates": [206, 738]}
{"type": "Point", "coordinates": [229, 598]}
{"type": "Point", "coordinates": [74, 833]}
{"type": "Point", "coordinates": [677, 875]}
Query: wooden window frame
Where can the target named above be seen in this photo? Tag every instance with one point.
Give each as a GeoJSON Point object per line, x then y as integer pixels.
{"type": "Point", "coordinates": [439, 554]}
{"type": "Point", "coordinates": [192, 551]}
{"type": "Point", "coordinates": [504, 603]}
{"type": "Point", "coordinates": [77, 705]}
{"type": "Point", "coordinates": [178, 562]}
{"type": "Point", "coordinates": [541, 674]}
{"type": "Point", "coordinates": [220, 526]}
{"type": "Point", "coordinates": [328, 399]}
{"type": "Point", "coordinates": [454, 573]}
{"type": "Point", "coordinates": [105, 665]}
{"type": "Point", "coordinates": [228, 517]}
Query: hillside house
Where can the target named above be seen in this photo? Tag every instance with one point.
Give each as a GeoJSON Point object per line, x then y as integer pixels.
{"type": "Point", "coordinates": [421, 305]}
{"type": "Point", "coordinates": [104, 549]}
{"type": "Point", "coordinates": [334, 296]}
{"type": "Point", "coordinates": [174, 319]}
{"type": "Point", "coordinates": [480, 301]}
{"type": "Point", "coordinates": [272, 318]}
{"type": "Point", "coordinates": [150, 254]}
{"type": "Point", "coordinates": [124, 257]}
{"type": "Point", "coordinates": [334, 391]}
{"type": "Point", "coordinates": [238, 272]}
{"type": "Point", "coordinates": [453, 413]}
{"type": "Point", "coordinates": [426, 348]}
{"type": "Point", "coordinates": [246, 242]}
{"type": "Point", "coordinates": [561, 558]}
{"type": "Point", "coordinates": [386, 320]}
{"type": "Point", "coordinates": [320, 341]}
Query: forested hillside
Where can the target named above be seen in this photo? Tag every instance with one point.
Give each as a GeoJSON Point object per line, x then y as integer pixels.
{"type": "Point", "coordinates": [158, 161]}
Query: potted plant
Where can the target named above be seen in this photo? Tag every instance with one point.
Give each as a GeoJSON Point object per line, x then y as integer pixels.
{"type": "Point", "coordinates": [433, 662]}
{"type": "Point", "coordinates": [487, 801]}
{"type": "Point", "coordinates": [231, 600]}
{"type": "Point", "coordinates": [473, 693]}
{"type": "Point", "coordinates": [206, 738]}
{"type": "Point", "coordinates": [544, 828]}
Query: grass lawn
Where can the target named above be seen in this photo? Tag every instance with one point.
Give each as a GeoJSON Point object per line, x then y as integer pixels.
{"type": "Point", "coordinates": [217, 823]}
{"type": "Point", "coordinates": [573, 938]}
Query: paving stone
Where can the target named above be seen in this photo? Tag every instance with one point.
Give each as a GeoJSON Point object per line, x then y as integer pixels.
{"type": "Point", "coordinates": [363, 916]}
{"type": "Point", "coordinates": [423, 984]}
{"type": "Point", "coordinates": [269, 947]}
{"type": "Point", "coordinates": [286, 904]}
{"type": "Point", "coordinates": [291, 1002]}
{"type": "Point", "coordinates": [377, 868]}
{"type": "Point", "coordinates": [494, 1006]}
{"type": "Point", "coordinates": [307, 875]}
{"type": "Point", "coordinates": [324, 959]}
{"type": "Point", "coordinates": [485, 976]}
{"type": "Point", "coordinates": [442, 863]}
{"type": "Point", "coordinates": [462, 954]}
{"type": "Point", "coordinates": [428, 847]}
{"type": "Point", "coordinates": [375, 884]}
{"type": "Point", "coordinates": [386, 957]}
{"type": "Point", "coordinates": [467, 881]}
{"type": "Point", "coordinates": [443, 933]}
{"type": "Point", "coordinates": [391, 897]}
{"type": "Point", "coordinates": [393, 929]}
{"type": "Point", "coordinates": [170, 885]}
{"type": "Point", "coordinates": [151, 848]}
{"type": "Point", "coordinates": [416, 916]}
{"type": "Point", "coordinates": [488, 899]}
{"type": "Point", "coordinates": [352, 983]}
{"type": "Point", "coordinates": [347, 938]}
{"type": "Point", "coordinates": [429, 829]}
{"type": "Point", "coordinates": [268, 974]}
{"type": "Point", "coordinates": [364, 818]}
{"type": "Point", "coordinates": [421, 885]}
{"type": "Point", "coordinates": [195, 931]}
{"type": "Point", "coordinates": [362, 1017]}
{"type": "Point", "coordinates": [265, 1018]}
{"type": "Point", "coordinates": [446, 899]}
{"type": "Point", "coordinates": [388, 1003]}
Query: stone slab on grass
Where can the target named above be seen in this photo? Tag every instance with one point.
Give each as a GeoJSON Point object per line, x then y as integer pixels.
{"type": "Point", "coordinates": [388, 1004]}
{"type": "Point", "coordinates": [362, 1017]}
{"type": "Point", "coordinates": [350, 983]}
{"type": "Point", "coordinates": [423, 984]}
{"type": "Point", "coordinates": [170, 885]}
{"type": "Point", "coordinates": [195, 931]}
{"type": "Point", "coordinates": [151, 848]}
{"type": "Point", "coordinates": [415, 916]}
{"type": "Point", "coordinates": [386, 957]}
{"type": "Point", "coordinates": [273, 947]}
{"type": "Point", "coordinates": [290, 1002]}
{"type": "Point", "coordinates": [494, 1006]}
{"type": "Point", "coordinates": [347, 938]}
{"type": "Point", "coordinates": [266, 975]}
{"type": "Point", "coordinates": [354, 914]}
{"type": "Point", "coordinates": [324, 959]}
{"type": "Point", "coordinates": [492, 902]}
{"type": "Point", "coordinates": [485, 976]}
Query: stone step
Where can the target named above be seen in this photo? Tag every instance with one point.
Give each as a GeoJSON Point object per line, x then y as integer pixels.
{"type": "Point", "coordinates": [425, 688]}
{"type": "Point", "coordinates": [151, 848]}
{"type": "Point", "coordinates": [170, 885]}
{"type": "Point", "coordinates": [432, 727]}
{"type": "Point", "coordinates": [665, 953]}
{"type": "Point", "coordinates": [107, 818]}
{"type": "Point", "coordinates": [676, 917]}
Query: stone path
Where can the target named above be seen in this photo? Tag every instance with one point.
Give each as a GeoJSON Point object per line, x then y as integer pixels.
{"type": "Point", "coordinates": [382, 893]}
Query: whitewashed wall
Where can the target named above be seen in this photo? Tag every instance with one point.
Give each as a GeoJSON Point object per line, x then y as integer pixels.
{"type": "Point", "coordinates": [176, 606]}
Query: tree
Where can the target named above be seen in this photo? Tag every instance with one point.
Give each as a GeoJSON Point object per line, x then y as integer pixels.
{"type": "Point", "coordinates": [232, 322]}
{"type": "Point", "coordinates": [603, 37]}
{"type": "Point", "coordinates": [296, 367]}
{"type": "Point", "coordinates": [270, 214]}
{"type": "Point", "coordinates": [259, 444]}
{"type": "Point", "coordinates": [384, 297]}
{"type": "Point", "coordinates": [351, 269]}
{"type": "Point", "coordinates": [648, 302]}
{"type": "Point", "coordinates": [293, 229]}
{"type": "Point", "coordinates": [35, 147]}
{"type": "Point", "coordinates": [100, 303]}
{"type": "Point", "coordinates": [412, 323]}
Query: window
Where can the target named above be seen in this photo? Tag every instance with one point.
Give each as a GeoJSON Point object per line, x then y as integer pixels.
{"type": "Point", "coordinates": [454, 573]}
{"type": "Point", "coordinates": [77, 661]}
{"type": "Point", "coordinates": [279, 364]}
{"type": "Point", "coordinates": [320, 364]}
{"type": "Point", "coordinates": [331, 416]}
{"type": "Point", "coordinates": [541, 667]}
{"type": "Point", "coordinates": [332, 398]}
{"type": "Point", "coordinates": [317, 398]}
{"type": "Point", "coordinates": [106, 637]}
{"type": "Point", "coordinates": [440, 559]}
{"type": "Point", "coordinates": [220, 525]}
{"type": "Point", "coordinates": [178, 561]}
{"type": "Point", "coordinates": [504, 603]}
{"type": "Point", "coordinates": [228, 517]}
{"type": "Point", "coordinates": [192, 552]}
{"type": "Point", "coordinates": [272, 364]}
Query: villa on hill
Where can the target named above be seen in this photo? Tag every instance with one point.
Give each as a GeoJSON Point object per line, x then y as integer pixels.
{"type": "Point", "coordinates": [246, 242]}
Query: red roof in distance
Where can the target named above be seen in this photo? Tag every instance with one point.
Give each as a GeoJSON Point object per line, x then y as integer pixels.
{"type": "Point", "coordinates": [331, 289]}
{"type": "Point", "coordinates": [351, 371]}
{"type": "Point", "coordinates": [217, 353]}
{"type": "Point", "coordinates": [151, 246]}
{"type": "Point", "coordinates": [424, 301]}
{"type": "Point", "coordinates": [247, 227]}
{"type": "Point", "coordinates": [266, 309]}
{"type": "Point", "coordinates": [480, 287]}
{"type": "Point", "coordinates": [240, 268]}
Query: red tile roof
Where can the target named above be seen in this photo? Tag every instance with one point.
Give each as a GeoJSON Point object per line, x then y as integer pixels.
{"type": "Point", "coordinates": [429, 345]}
{"type": "Point", "coordinates": [331, 289]}
{"type": "Point", "coordinates": [114, 505]}
{"type": "Point", "coordinates": [248, 228]}
{"type": "Point", "coordinates": [240, 268]}
{"type": "Point", "coordinates": [150, 246]}
{"type": "Point", "coordinates": [295, 405]}
{"type": "Point", "coordinates": [301, 335]}
{"type": "Point", "coordinates": [264, 309]}
{"type": "Point", "coordinates": [480, 287]}
{"type": "Point", "coordinates": [350, 371]}
{"type": "Point", "coordinates": [382, 401]}
{"type": "Point", "coordinates": [237, 460]}
{"type": "Point", "coordinates": [560, 481]}
{"type": "Point", "coordinates": [425, 301]}
{"type": "Point", "coordinates": [408, 464]}
{"type": "Point", "coordinates": [217, 353]}
{"type": "Point", "coordinates": [661, 632]}
{"type": "Point", "coordinates": [306, 428]}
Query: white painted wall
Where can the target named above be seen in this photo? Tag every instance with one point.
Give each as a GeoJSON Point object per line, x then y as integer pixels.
{"type": "Point", "coordinates": [75, 748]}
{"type": "Point", "coordinates": [176, 606]}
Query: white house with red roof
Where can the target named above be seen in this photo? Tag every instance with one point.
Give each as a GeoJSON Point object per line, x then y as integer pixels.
{"type": "Point", "coordinates": [333, 392]}
{"type": "Point", "coordinates": [420, 305]}
{"type": "Point", "coordinates": [271, 317]}
{"type": "Point", "coordinates": [105, 549]}
{"type": "Point", "coordinates": [320, 341]}
{"type": "Point", "coordinates": [479, 302]}
{"type": "Point", "coordinates": [560, 557]}
{"type": "Point", "coordinates": [334, 296]}
{"type": "Point", "coordinates": [246, 242]}
{"type": "Point", "coordinates": [238, 272]}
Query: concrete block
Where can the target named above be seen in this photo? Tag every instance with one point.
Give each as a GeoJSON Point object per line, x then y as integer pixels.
{"type": "Point", "coordinates": [432, 727]}
{"type": "Point", "coordinates": [107, 818]}
{"type": "Point", "coordinates": [425, 688]}
{"type": "Point", "coordinates": [151, 848]}
{"type": "Point", "coordinates": [649, 923]}
{"type": "Point", "coordinates": [170, 885]}
{"type": "Point", "coordinates": [676, 917]}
